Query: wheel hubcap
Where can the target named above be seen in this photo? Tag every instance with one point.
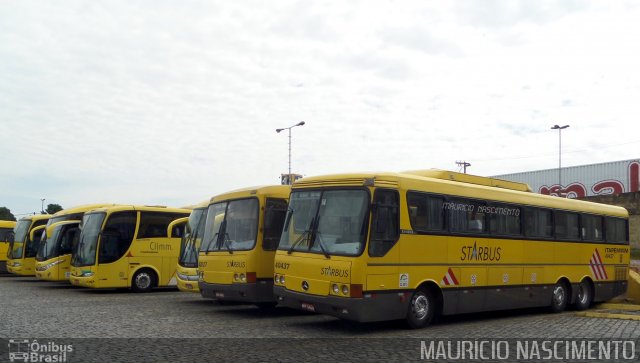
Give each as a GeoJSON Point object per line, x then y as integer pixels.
{"type": "Point", "coordinates": [143, 281]}
{"type": "Point", "coordinates": [558, 295]}
{"type": "Point", "coordinates": [582, 294]}
{"type": "Point", "coordinates": [420, 306]}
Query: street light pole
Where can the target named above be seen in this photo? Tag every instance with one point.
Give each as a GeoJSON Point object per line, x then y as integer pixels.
{"type": "Point", "coordinates": [559, 128]}
{"type": "Point", "coordinates": [42, 206]}
{"type": "Point", "coordinates": [301, 123]}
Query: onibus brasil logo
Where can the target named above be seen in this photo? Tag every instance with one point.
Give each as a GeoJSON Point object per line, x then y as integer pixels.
{"type": "Point", "coordinates": [25, 350]}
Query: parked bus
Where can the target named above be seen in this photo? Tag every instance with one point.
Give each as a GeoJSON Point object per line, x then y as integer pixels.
{"type": "Point", "coordinates": [6, 231]}
{"type": "Point", "coordinates": [373, 247]}
{"type": "Point", "coordinates": [128, 246]}
{"type": "Point", "coordinates": [24, 243]}
{"type": "Point", "coordinates": [240, 239]}
{"type": "Point", "coordinates": [187, 270]}
{"type": "Point", "coordinates": [53, 260]}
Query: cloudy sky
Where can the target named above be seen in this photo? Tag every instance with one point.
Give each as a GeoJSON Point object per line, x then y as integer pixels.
{"type": "Point", "coordinates": [171, 102]}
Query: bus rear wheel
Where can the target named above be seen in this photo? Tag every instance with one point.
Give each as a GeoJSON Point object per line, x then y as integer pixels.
{"type": "Point", "coordinates": [143, 281]}
{"type": "Point", "coordinates": [585, 295]}
{"type": "Point", "coordinates": [422, 309]}
{"type": "Point", "coordinates": [559, 297]}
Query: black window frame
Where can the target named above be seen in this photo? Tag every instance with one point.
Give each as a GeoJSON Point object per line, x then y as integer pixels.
{"type": "Point", "coordinates": [374, 207]}
{"type": "Point", "coordinates": [276, 241]}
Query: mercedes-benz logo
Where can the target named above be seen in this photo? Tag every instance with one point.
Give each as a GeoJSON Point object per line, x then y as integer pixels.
{"type": "Point", "coordinates": [305, 285]}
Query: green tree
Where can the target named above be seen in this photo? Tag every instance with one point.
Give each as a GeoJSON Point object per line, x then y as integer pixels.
{"type": "Point", "coordinates": [6, 215]}
{"type": "Point", "coordinates": [53, 208]}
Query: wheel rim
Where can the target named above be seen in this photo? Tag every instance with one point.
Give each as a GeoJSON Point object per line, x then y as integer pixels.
{"type": "Point", "coordinates": [558, 295]}
{"type": "Point", "coordinates": [583, 295]}
{"type": "Point", "coordinates": [143, 281]}
{"type": "Point", "coordinates": [420, 307]}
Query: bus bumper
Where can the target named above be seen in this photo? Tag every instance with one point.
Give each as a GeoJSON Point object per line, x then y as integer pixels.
{"type": "Point", "coordinates": [378, 307]}
{"type": "Point", "coordinates": [255, 292]}
{"type": "Point", "coordinates": [187, 285]}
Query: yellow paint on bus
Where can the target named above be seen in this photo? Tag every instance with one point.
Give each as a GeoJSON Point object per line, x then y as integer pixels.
{"type": "Point", "coordinates": [187, 270]}
{"type": "Point", "coordinates": [24, 245]}
{"type": "Point", "coordinates": [128, 246]}
{"type": "Point", "coordinates": [240, 239]}
{"type": "Point", "coordinates": [373, 247]}
{"type": "Point", "coordinates": [6, 231]}
{"type": "Point", "coordinates": [53, 260]}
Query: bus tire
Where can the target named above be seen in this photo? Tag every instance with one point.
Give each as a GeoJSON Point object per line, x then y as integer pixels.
{"type": "Point", "coordinates": [584, 297]}
{"type": "Point", "coordinates": [422, 309]}
{"type": "Point", "coordinates": [559, 297]}
{"type": "Point", "coordinates": [143, 280]}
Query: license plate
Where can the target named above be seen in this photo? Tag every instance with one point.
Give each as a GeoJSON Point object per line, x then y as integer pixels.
{"type": "Point", "coordinates": [308, 307]}
{"type": "Point", "coordinates": [220, 294]}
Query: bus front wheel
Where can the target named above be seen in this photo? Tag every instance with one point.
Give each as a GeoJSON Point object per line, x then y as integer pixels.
{"type": "Point", "coordinates": [559, 297]}
{"type": "Point", "coordinates": [422, 309]}
{"type": "Point", "coordinates": [143, 281]}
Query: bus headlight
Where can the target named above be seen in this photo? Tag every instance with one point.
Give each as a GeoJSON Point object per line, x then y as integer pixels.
{"type": "Point", "coordinates": [335, 289]}
{"type": "Point", "coordinates": [86, 274]}
{"type": "Point", "coordinates": [282, 279]}
{"type": "Point", "coordinates": [17, 264]}
{"type": "Point", "coordinates": [243, 278]}
{"type": "Point", "coordinates": [235, 277]}
{"type": "Point", "coordinates": [345, 290]}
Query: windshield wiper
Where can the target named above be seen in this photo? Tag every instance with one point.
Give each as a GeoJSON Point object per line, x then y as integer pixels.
{"type": "Point", "coordinates": [214, 238]}
{"type": "Point", "coordinates": [306, 233]}
{"type": "Point", "coordinates": [227, 245]}
{"type": "Point", "coordinates": [321, 244]}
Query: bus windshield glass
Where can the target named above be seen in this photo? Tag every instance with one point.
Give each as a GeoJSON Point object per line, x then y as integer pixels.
{"type": "Point", "coordinates": [192, 238]}
{"type": "Point", "coordinates": [48, 246]}
{"type": "Point", "coordinates": [232, 226]}
{"type": "Point", "coordinates": [88, 244]}
{"type": "Point", "coordinates": [331, 222]}
{"type": "Point", "coordinates": [21, 231]}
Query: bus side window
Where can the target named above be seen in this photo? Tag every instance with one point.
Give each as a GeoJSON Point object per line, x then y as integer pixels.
{"type": "Point", "coordinates": [70, 235]}
{"type": "Point", "coordinates": [426, 212]}
{"type": "Point", "coordinates": [385, 230]}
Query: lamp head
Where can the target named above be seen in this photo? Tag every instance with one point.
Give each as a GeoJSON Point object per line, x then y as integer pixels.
{"type": "Point", "coordinates": [300, 123]}
{"type": "Point", "coordinates": [278, 130]}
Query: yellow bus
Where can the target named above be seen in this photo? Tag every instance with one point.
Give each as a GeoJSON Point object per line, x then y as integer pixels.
{"type": "Point", "coordinates": [373, 247]}
{"type": "Point", "coordinates": [6, 230]}
{"type": "Point", "coordinates": [53, 260]}
{"type": "Point", "coordinates": [187, 270]}
{"type": "Point", "coordinates": [24, 243]}
{"type": "Point", "coordinates": [240, 239]}
{"type": "Point", "coordinates": [127, 246]}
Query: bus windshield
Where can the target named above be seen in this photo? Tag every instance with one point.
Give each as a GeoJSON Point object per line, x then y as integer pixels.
{"type": "Point", "coordinates": [231, 226]}
{"type": "Point", "coordinates": [85, 253]}
{"type": "Point", "coordinates": [21, 230]}
{"type": "Point", "coordinates": [192, 238]}
{"type": "Point", "coordinates": [48, 246]}
{"type": "Point", "coordinates": [332, 222]}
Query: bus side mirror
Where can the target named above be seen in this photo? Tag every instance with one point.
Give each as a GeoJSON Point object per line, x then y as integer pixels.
{"type": "Point", "coordinates": [35, 231]}
{"type": "Point", "coordinates": [175, 224]}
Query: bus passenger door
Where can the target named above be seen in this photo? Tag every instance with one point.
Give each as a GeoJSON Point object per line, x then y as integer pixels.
{"type": "Point", "coordinates": [115, 240]}
{"type": "Point", "coordinates": [382, 269]}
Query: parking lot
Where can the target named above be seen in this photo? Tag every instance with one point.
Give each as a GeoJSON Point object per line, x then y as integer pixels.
{"type": "Point", "coordinates": [170, 325]}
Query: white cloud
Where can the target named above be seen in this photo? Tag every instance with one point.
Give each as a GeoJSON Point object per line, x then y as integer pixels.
{"type": "Point", "coordinates": [157, 102]}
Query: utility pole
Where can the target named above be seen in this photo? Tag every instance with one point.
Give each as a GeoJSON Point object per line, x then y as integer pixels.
{"type": "Point", "coordinates": [42, 207]}
{"type": "Point", "coordinates": [463, 164]}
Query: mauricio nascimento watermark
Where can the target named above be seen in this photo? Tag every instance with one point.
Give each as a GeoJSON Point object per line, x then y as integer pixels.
{"type": "Point", "coordinates": [528, 349]}
{"type": "Point", "coordinates": [30, 350]}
